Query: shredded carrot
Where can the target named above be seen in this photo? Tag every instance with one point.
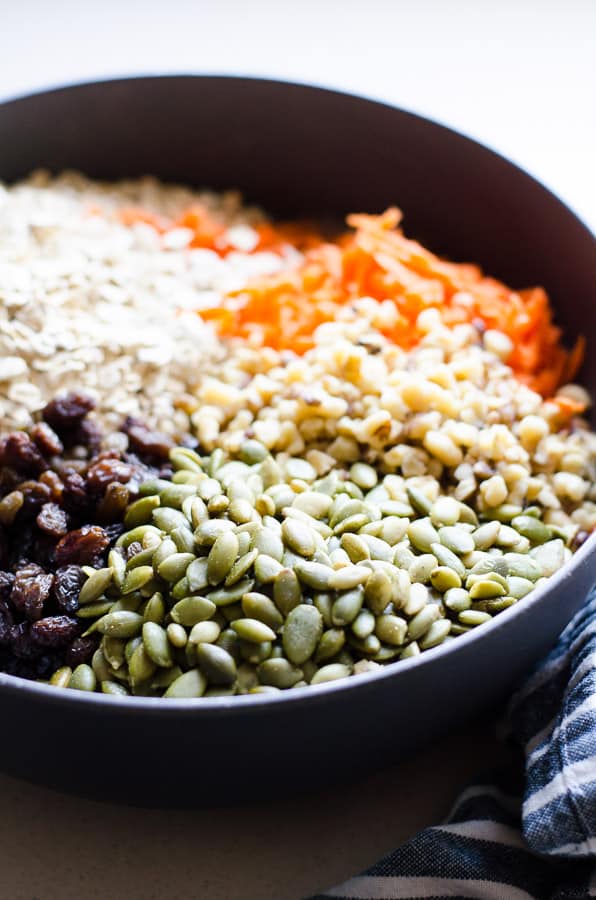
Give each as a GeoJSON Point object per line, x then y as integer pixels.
{"type": "Point", "coordinates": [376, 260]}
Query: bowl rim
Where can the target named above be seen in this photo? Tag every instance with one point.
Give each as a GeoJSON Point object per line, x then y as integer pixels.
{"type": "Point", "coordinates": [309, 694]}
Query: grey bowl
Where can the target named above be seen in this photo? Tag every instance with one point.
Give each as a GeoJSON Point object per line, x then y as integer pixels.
{"type": "Point", "coordinates": [298, 150]}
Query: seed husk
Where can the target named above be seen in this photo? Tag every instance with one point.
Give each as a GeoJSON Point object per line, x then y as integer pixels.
{"type": "Point", "coordinates": [83, 679]}
{"type": "Point", "coordinates": [191, 610]}
{"type": "Point", "coordinates": [278, 673]}
{"type": "Point", "coordinates": [120, 624]}
{"type": "Point", "coordinates": [331, 672]}
{"type": "Point", "coordinates": [190, 684]}
{"type": "Point", "coordinates": [347, 606]}
{"type": "Point", "coordinates": [301, 634]}
{"type": "Point", "coordinates": [157, 645]}
{"type": "Point", "coordinates": [218, 666]}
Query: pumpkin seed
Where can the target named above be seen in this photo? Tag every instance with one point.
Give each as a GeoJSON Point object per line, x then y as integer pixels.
{"type": "Point", "coordinates": [93, 610]}
{"type": "Point", "coordinates": [174, 567]}
{"type": "Point", "coordinates": [141, 511]}
{"type": "Point", "coordinates": [218, 666]}
{"type": "Point", "coordinates": [435, 635]}
{"type": "Point", "coordinates": [190, 684]}
{"type": "Point", "coordinates": [176, 635]}
{"type": "Point", "coordinates": [446, 557]}
{"type": "Point", "coordinates": [330, 644]}
{"type": "Point", "coordinates": [61, 677]}
{"type": "Point", "coordinates": [443, 578]}
{"type": "Point", "coordinates": [157, 645]}
{"type": "Point", "coordinates": [419, 501]}
{"type": "Point", "coordinates": [457, 599]}
{"type": "Point", "coordinates": [253, 630]}
{"type": "Point", "coordinates": [302, 630]}
{"type": "Point", "coordinates": [532, 528]}
{"type": "Point", "coordinates": [298, 537]}
{"type": "Point", "coordinates": [486, 535]}
{"type": "Point", "coordinates": [526, 566]}
{"type": "Point", "coordinates": [348, 577]}
{"type": "Point", "coordinates": [241, 567]}
{"type": "Point", "coordinates": [228, 595]}
{"type": "Point", "coordinates": [120, 624]}
{"type": "Point", "coordinates": [445, 511]}
{"type": "Point", "coordinates": [259, 606]}
{"type": "Point", "coordinates": [113, 688]}
{"type": "Point", "coordinates": [473, 617]}
{"type": "Point", "coordinates": [378, 592]}
{"type": "Point", "coordinates": [204, 633]}
{"type": "Point", "coordinates": [422, 567]}
{"type": "Point", "coordinates": [331, 672]}
{"type": "Point", "coordinates": [135, 579]}
{"type": "Point", "coordinates": [347, 606]}
{"type": "Point", "coordinates": [278, 673]}
{"type": "Point", "coordinates": [155, 609]}
{"type": "Point", "coordinates": [221, 557]}
{"type": "Point", "coordinates": [421, 622]}
{"type": "Point", "coordinates": [363, 624]}
{"type": "Point", "coordinates": [410, 651]}
{"type": "Point", "coordinates": [423, 535]}
{"type": "Point", "coordinates": [191, 610]}
{"type": "Point", "coordinates": [391, 629]}
{"type": "Point", "coordinates": [140, 666]}
{"type": "Point", "coordinates": [486, 588]}
{"type": "Point", "coordinates": [83, 679]}
{"type": "Point", "coordinates": [547, 558]}
{"type": "Point", "coordinates": [266, 568]}
{"type": "Point", "coordinates": [519, 587]}
{"type": "Point", "coordinates": [95, 585]}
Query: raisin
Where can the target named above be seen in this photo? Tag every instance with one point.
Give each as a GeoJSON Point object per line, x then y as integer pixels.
{"type": "Point", "coordinates": [113, 504]}
{"type": "Point", "coordinates": [147, 443]}
{"type": "Point", "coordinates": [19, 451]}
{"type": "Point", "coordinates": [35, 494]}
{"type": "Point", "coordinates": [30, 591]}
{"type": "Point", "coordinates": [54, 632]}
{"type": "Point", "coordinates": [6, 583]}
{"type": "Point", "coordinates": [52, 520]}
{"type": "Point", "coordinates": [114, 531]}
{"type": "Point", "coordinates": [82, 546]}
{"type": "Point", "coordinates": [68, 582]}
{"type": "Point", "coordinates": [6, 623]}
{"type": "Point", "coordinates": [81, 650]}
{"type": "Point", "coordinates": [75, 498]}
{"type": "Point", "coordinates": [47, 441]}
{"type": "Point", "coordinates": [68, 410]}
{"type": "Point", "coordinates": [107, 470]}
{"type": "Point", "coordinates": [87, 434]}
{"type": "Point", "coordinates": [20, 641]}
{"type": "Point", "coordinates": [54, 483]}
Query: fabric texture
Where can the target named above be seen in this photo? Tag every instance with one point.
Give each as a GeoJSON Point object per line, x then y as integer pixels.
{"type": "Point", "coordinates": [528, 832]}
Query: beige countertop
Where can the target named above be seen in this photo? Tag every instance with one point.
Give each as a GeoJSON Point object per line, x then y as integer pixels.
{"type": "Point", "coordinates": [57, 847]}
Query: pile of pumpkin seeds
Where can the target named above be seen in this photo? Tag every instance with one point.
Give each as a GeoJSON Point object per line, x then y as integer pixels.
{"type": "Point", "coordinates": [252, 574]}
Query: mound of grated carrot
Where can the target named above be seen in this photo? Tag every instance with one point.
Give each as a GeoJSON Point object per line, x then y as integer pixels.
{"type": "Point", "coordinates": [376, 260]}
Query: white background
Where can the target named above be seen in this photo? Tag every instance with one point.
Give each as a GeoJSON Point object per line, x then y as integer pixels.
{"type": "Point", "coordinates": [519, 75]}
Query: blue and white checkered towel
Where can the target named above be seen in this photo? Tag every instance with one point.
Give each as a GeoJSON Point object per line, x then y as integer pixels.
{"type": "Point", "coordinates": [524, 834]}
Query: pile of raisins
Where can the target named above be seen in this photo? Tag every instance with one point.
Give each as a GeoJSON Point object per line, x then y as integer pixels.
{"type": "Point", "coordinates": [62, 501]}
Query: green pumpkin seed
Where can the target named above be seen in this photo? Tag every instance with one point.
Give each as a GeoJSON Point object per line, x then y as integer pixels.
{"type": "Point", "coordinates": [330, 644]}
{"type": "Point", "coordinates": [180, 590]}
{"type": "Point", "coordinates": [378, 548]}
{"type": "Point", "coordinates": [166, 549]}
{"type": "Point", "coordinates": [422, 567]}
{"type": "Point", "coordinates": [298, 537]}
{"type": "Point", "coordinates": [525, 566]}
{"type": "Point", "coordinates": [253, 630]}
{"type": "Point", "coordinates": [95, 585]}
{"type": "Point", "coordinates": [228, 595]}
{"type": "Point", "coordinates": [175, 494]}
{"type": "Point", "coordinates": [391, 629]}
{"type": "Point", "coordinates": [153, 486]}
{"type": "Point", "coordinates": [204, 633]}
{"type": "Point", "coordinates": [442, 579]}
{"type": "Point", "coordinates": [191, 610]}
{"type": "Point", "coordinates": [208, 531]}
{"type": "Point", "coordinates": [196, 575]}
{"type": "Point", "coordinates": [506, 512]}
{"type": "Point", "coordinates": [136, 534]}
{"type": "Point", "coordinates": [266, 568]}
{"type": "Point", "coordinates": [278, 673]}
{"type": "Point", "coordinates": [347, 606]}
{"type": "Point", "coordinates": [255, 653]}
{"type": "Point", "coordinates": [157, 645]}
{"type": "Point", "coordinates": [221, 557]}
{"type": "Point", "coordinates": [446, 557]}
{"type": "Point", "coordinates": [184, 539]}
{"type": "Point", "coordinates": [548, 558]}
{"type": "Point", "coordinates": [117, 564]}
{"type": "Point", "coordinates": [269, 543]}
{"type": "Point", "coordinates": [486, 535]}
{"type": "Point", "coordinates": [519, 587]}
{"type": "Point", "coordinates": [410, 651]}
{"type": "Point", "coordinates": [176, 635]}
{"type": "Point", "coordinates": [363, 624]}
{"type": "Point", "coordinates": [195, 511]}
{"type": "Point", "coordinates": [120, 624]}
{"type": "Point", "coordinates": [457, 599]}
{"type": "Point", "coordinates": [348, 577]}
{"type": "Point", "coordinates": [174, 567]}
{"type": "Point", "coordinates": [302, 630]}
{"type": "Point", "coordinates": [259, 606]}
{"type": "Point", "coordinates": [331, 672]}
{"type": "Point", "coordinates": [218, 666]}
{"type": "Point", "coordinates": [155, 609]}
{"type": "Point", "coordinates": [435, 635]}
{"type": "Point", "coordinates": [445, 511]}
{"type": "Point", "coordinates": [473, 617]}
{"type": "Point", "coordinates": [113, 650]}
{"type": "Point", "coordinates": [100, 666]}
{"type": "Point", "coordinates": [83, 679]}
{"type": "Point", "coordinates": [61, 677]}
{"type": "Point", "coordinates": [423, 535]}
{"type": "Point", "coordinates": [532, 528]}
{"type": "Point", "coordinates": [486, 588]}
{"type": "Point", "coordinates": [113, 688]}
{"type": "Point", "coordinates": [93, 610]}
{"type": "Point", "coordinates": [393, 530]}
{"type": "Point", "coordinates": [324, 603]}
{"type": "Point", "coordinates": [421, 622]}
{"type": "Point", "coordinates": [191, 684]}
{"type": "Point", "coordinates": [140, 667]}
{"type": "Point", "coordinates": [241, 567]}
{"type": "Point", "coordinates": [135, 579]}
{"type": "Point", "coordinates": [313, 574]}
{"type": "Point", "coordinates": [456, 540]}
{"type": "Point", "coordinates": [141, 511]}
{"type": "Point", "coordinates": [378, 592]}
{"type": "Point", "coordinates": [419, 501]}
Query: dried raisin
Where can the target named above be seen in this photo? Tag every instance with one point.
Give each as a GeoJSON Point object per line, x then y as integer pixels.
{"type": "Point", "coordinates": [68, 582]}
{"type": "Point", "coordinates": [53, 520]}
{"type": "Point", "coordinates": [68, 410]}
{"type": "Point", "coordinates": [30, 591]}
{"type": "Point", "coordinates": [54, 632]}
{"type": "Point", "coordinates": [82, 546]}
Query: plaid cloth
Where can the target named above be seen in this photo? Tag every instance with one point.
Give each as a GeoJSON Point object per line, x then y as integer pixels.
{"type": "Point", "coordinates": [524, 834]}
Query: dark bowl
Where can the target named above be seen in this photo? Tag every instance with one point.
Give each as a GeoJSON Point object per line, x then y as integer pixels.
{"type": "Point", "coordinates": [298, 150]}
